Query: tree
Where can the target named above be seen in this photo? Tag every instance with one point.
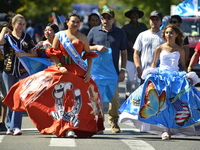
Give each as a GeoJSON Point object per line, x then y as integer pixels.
{"type": "Point", "coordinates": [40, 11]}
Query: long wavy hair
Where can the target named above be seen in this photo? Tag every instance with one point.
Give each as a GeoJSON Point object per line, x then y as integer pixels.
{"type": "Point", "coordinates": [180, 36]}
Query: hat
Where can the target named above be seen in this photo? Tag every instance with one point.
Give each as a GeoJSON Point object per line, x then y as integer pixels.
{"type": "Point", "coordinates": [109, 12]}
{"type": "Point", "coordinates": [134, 9]}
{"type": "Point", "coordinates": [4, 18]}
{"type": "Point", "coordinates": [156, 13]}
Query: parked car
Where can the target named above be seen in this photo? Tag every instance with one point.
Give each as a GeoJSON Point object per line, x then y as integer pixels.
{"type": "Point", "coordinates": [191, 28]}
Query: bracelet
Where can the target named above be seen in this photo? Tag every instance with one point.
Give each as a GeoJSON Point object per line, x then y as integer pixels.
{"type": "Point", "coordinates": [190, 68]}
{"type": "Point", "coordinates": [123, 69]}
{"type": "Point", "coordinates": [4, 29]}
{"type": "Point", "coordinates": [59, 64]}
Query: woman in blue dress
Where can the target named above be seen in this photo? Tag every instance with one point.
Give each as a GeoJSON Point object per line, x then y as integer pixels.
{"type": "Point", "coordinates": [167, 103]}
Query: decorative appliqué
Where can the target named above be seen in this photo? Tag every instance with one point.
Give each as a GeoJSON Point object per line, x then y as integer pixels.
{"type": "Point", "coordinates": [34, 86]}
{"type": "Point", "coordinates": [93, 96]}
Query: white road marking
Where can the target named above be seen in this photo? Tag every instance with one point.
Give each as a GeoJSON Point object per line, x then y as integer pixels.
{"type": "Point", "coordinates": [25, 129]}
{"type": "Point", "coordinates": [125, 129]}
{"type": "Point", "coordinates": [1, 138]}
{"type": "Point", "coordinates": [64, 142]}
{"type": "Point", "coordinates": [106, 129]}
{"type": "Point", "coordinates": [134, 144]}
{"type": "Point", "coordinates": [137, 144]}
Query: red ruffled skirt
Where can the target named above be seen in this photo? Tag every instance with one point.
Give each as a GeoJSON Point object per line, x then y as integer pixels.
{"type": "Point", "coordinates": [57, 102]}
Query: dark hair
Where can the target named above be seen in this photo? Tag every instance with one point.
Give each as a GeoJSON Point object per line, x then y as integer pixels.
{"type": "Point", "coordinates": [53, 26]}
{"type": "Point", "coordinates": [68, 18]}
{"type": "Point", "coordinates": [176, 17]}
{"type": "Point", "coordinates": [179, 38]}
{"type": "Point", "coordinates": [93, 14]}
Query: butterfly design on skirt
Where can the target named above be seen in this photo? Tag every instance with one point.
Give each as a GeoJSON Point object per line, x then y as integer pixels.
{"type": "Point", "coordinates": [154, 103]}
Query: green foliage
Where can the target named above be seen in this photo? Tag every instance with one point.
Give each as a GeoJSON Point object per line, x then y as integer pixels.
{"type": "Point", "coordinates": [40, 11]}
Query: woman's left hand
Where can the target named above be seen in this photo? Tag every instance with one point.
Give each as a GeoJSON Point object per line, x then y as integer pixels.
{"type": "Point", "coordinates": [87, 77]}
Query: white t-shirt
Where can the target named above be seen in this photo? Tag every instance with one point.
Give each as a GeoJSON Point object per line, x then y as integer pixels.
{"type": "Point", "coordinates": [146, 43]}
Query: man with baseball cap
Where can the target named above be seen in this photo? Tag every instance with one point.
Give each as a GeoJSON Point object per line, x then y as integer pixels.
{"type": "Point", "coordinates": [109, 12]}
{"type": "Point", "coordinates": [132, 30]}
{"type": "Point", "coordinates": [157, 14]}
{"type": "Point", "coordinates": [109, 42]}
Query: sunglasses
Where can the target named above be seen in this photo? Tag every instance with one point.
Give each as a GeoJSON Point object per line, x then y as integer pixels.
{"type": "Point", "coordinates": [106, 18]}
{"type": "Point", "coordinates": [174, 22]}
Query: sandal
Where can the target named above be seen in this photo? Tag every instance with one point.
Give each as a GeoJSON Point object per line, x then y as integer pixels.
{"type": "Point", "coordinates": [165, 136]}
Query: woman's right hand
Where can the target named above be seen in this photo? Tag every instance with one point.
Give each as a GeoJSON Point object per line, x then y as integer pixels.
{"type": "Point", "coordinates": [63, 69]}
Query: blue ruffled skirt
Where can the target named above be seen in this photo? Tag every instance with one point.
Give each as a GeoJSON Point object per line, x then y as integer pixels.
{"type": "Point", "coordinates": [165, 100]}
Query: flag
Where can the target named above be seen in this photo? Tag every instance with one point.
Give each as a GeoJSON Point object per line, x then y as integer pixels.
{"type": "Point", "coordinates": [187, 8]}
{"type": "Point", "coordinates": [61, 19]}
{"type": "Point", "coordinates": [54, 19]}
{"type": "Point", "coordinates": [105, 75]}
{"type": "Point", "coordinates": [35, 64]}
{"type": "Point", "coordinates": [31, 64]}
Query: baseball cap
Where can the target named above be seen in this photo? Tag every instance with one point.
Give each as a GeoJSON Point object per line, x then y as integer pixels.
{"type": "Point", "coordinates": [109, 12]}
{"type": "Point", "coordinates": [156, 13]}
{"type": "Point", "coordinates": [4, 19]}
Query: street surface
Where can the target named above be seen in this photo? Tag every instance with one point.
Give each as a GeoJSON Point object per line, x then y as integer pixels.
{"type": "Point", "coordinates": [129, 139]}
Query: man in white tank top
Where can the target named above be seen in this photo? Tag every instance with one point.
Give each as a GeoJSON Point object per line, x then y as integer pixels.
{"type": "Point", "coordinates": [146, 43]}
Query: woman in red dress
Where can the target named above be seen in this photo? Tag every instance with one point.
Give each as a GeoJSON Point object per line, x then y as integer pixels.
{"type": "Point", "coordinates": [62, 99]}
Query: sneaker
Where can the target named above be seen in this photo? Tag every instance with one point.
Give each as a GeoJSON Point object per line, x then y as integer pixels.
{"type": "Point", "coordinates": [3, 127]}
{"type": "Point", "coordinates": [17, 132]}
{"type": "Point", "coordinates": [165, 136]}
{"type": "Point", "coordinates": [70, 133]}
{"type": "Point", "coordinates": [9, 132]}
{"type": "Point", "coordinates": [114, 126]}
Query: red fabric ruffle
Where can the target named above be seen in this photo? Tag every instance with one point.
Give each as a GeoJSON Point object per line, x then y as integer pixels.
{"type": "Point", "coordinates": [53, 51]}
{"type": "Point", "coordinates": [89, 55]}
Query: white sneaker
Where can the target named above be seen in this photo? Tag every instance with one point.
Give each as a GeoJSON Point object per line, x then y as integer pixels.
{"type": "Point", "coordinates": [70, 133]}
{"type": "Point", "coordinates": [165, 136]}
{"type": "Point", "coordinates": [17, 132]}
{"type": "Point", "coordinates": [9, 132]}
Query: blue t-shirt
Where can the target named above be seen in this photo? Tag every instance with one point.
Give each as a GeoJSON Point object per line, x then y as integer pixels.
{"type": "Point", "coordinates": [115, 39]}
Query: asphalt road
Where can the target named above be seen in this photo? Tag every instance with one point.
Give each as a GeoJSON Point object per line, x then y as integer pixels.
{"type": "Point", "coordinates": [129, 139]}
